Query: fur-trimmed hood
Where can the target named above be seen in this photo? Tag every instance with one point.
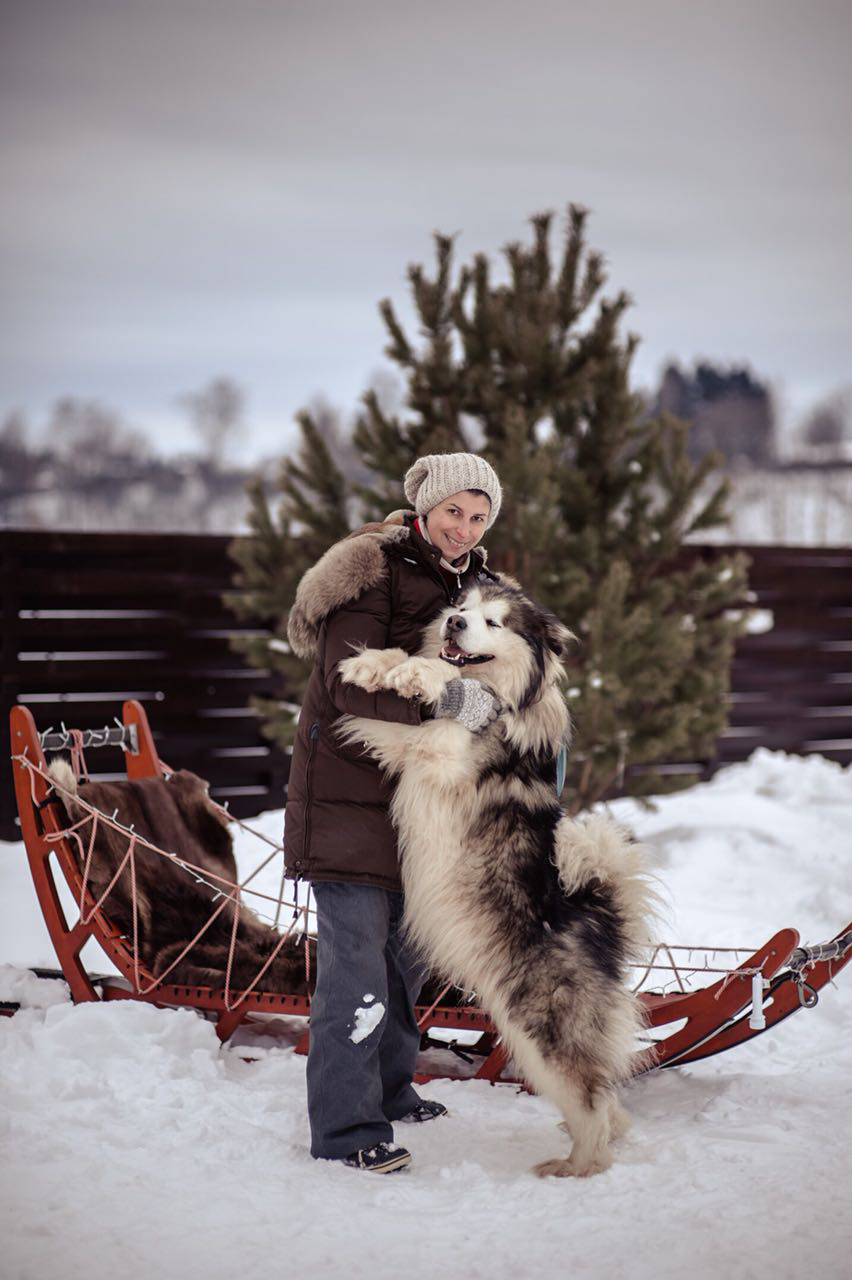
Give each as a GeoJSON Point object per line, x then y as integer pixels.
{"type": "Point", "coordinates": [346, 570]}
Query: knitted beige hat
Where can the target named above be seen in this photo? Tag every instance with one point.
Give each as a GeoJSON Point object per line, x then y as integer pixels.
{"type": "Point", "coordinates": [439, 475]}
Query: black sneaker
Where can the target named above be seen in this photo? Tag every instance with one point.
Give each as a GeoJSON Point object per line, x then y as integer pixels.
{"type": "Point", "coordinates": [423, 1111]}
{"type": "Point", "coordinates": [382, 1158]}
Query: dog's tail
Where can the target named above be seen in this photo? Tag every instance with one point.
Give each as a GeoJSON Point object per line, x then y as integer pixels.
{"type": "Point", "coordinates": [597, 849]}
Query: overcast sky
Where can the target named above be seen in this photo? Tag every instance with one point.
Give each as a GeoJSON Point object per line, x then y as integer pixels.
{"type": "Point", "coordinates": [194, 188]}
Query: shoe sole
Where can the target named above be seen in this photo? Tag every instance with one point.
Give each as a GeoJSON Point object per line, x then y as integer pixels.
{"type": "Point", "coordinates": [390, 1166]}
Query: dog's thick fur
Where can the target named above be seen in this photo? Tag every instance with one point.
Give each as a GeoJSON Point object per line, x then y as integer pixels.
{"type": "Point", "coordinates": [505, 895]}
{"type": "Point", "coordinates": [176, 815]}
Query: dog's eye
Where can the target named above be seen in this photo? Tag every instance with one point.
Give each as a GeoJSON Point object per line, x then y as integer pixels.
{"type": "Point", "coordinates": [489, 623]}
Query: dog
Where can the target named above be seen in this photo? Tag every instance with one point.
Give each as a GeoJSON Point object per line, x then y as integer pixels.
{"type": "Point", "coordinates": [505, 895]}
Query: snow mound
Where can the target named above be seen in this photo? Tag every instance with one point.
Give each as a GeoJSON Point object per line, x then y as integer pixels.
{"type": "Point", "coordinates": [793, 779]}
{"type": "Point", "coordinates": [21, 986]}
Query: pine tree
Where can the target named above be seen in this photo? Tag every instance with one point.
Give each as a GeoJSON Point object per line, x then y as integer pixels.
{"type": "Point", "coordinates": [533, 373]}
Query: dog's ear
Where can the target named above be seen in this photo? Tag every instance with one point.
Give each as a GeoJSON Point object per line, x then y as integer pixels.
{"type": "Point", "coordinates": [558, 636]}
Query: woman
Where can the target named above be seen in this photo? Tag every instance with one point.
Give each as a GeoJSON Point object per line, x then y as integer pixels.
{"type": "Point", "coordinates": [378, 588]}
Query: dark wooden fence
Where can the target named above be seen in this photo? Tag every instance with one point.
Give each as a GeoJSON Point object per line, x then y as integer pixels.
{"type": "Point", "coordinates": [791, 686]}
{"type": "Point", "coordinates": [91, 619]}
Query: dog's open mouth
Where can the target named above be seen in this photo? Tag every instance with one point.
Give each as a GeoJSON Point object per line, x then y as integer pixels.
{"type": "Point", "coordinates": [459, 658]}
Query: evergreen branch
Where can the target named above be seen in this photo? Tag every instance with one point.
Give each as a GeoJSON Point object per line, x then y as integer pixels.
{"type": "Point", "coordinates": [398, 348]}
{"type": "Point", "coordinates": [569, 306]}
{"type": "Point", "coordinates": [541, 253]}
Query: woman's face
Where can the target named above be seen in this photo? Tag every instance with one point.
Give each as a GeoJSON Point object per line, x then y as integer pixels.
{"type": "Point", "coordinates": [457, 523]}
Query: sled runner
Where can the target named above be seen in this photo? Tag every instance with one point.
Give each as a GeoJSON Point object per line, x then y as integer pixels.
{"type": "Point", "coordinates": [743, 997]}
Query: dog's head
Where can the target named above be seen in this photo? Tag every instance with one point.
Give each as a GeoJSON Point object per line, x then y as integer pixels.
{"type": "Point", "coordinates": [514, 645]}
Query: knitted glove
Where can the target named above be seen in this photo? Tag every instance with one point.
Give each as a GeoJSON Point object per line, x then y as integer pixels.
{"type": "Point", "coordinates": [469, 702]}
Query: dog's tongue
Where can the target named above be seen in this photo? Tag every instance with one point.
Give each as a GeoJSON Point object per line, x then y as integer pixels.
{"type": "Point", "coordinates": [452, 653]}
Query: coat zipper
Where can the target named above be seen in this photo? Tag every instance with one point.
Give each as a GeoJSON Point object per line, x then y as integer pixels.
{"type": "Point", "coordinates": [441, 577]}
{"type": "Point", "coordinates": [313, 735]}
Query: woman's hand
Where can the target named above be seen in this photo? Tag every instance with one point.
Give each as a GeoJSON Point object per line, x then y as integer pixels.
{"type": "Point", "coordinates": [469, 702]}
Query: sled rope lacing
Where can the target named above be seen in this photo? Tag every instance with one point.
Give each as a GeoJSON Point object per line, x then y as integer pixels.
{"type": "Point", "coordinates": [803, 957]}
{"type": "Point", "coordinates": [220, 886]}
{"type": "Point", "coordinates": [684, 971]}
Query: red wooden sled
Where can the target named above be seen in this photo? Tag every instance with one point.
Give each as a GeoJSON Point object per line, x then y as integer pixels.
{"type": "Point", "coordinates": [777, 980]}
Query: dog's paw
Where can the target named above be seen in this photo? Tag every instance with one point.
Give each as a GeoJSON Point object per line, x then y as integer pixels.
{"type": "Point", "coordinates": [553, 1169]}
{"type": "Point", "coordinates": [568, 1167]}
{"type": "Point", "coordinates": [419, 678]}
{"type": "Point", "coordinates": [369, 668]}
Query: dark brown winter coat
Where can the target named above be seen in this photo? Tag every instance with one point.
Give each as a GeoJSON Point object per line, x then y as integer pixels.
{"type": "Point", "coordinates": [377, 588]}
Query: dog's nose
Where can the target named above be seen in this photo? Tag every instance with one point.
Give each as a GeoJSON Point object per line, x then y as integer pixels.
{"type": "Point", "coordinates": [456, 623]}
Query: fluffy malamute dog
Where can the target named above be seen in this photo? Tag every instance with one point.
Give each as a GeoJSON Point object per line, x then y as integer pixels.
{"type": "Point", "coordinates": [505, 895]}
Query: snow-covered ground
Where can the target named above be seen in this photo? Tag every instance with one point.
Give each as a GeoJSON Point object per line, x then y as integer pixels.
{"type": "Point", "coordinates": [133, 1144]}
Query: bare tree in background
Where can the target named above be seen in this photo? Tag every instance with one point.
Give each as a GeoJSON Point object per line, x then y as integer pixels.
{"type": "Point", "coordinates": [14, 443]}
{"type": "Point", "coordinates": [18, 463]}
{"type": "Point", "coordinates": [87, 469]}
{"type": "Point", "coordinates": [828, 423]}
{"type": "Point", "coordinates": [87, 435]}
{"type": "Point", "coordinates": [337, 437]}
{"type": "Point", "coordinates": [216, 415]}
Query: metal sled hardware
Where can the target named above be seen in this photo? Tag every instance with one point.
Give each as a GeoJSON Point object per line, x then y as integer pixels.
{"type": "Point", "coordinates": [741, 997]}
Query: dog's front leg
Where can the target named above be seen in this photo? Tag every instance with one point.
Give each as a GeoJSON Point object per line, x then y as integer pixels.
{"type": "Point", "coordinates": [422, 678]}
{"type": "Point", "coordinates": [369, 668]}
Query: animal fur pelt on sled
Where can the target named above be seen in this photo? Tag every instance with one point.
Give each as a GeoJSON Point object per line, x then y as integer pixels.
{"type": "Point", "coordinates": [176, 815]}
{"type": "Point", "coordinates": [505, 895]}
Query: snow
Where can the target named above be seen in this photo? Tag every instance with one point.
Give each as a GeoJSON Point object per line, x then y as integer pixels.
{"type": "Point", "coordinates": [366, 1020]}
{"type": "Point", "coordinates": [20, 986]}
{"type": "Point", "coordinates": [132, 1143]}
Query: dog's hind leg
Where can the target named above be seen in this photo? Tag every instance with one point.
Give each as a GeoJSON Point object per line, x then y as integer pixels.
{"type": "Point", "coordinates": [588, 1109]}
{"type": "Point", "coordinates": [588, 1119]}
{"type": "Point", "coordinates": [619, 1120]}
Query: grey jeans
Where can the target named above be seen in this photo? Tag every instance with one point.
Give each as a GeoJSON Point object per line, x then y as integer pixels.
{"type": "Point", "coordinates": [363, 1033]}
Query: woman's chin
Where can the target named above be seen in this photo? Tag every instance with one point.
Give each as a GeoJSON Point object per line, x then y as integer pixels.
{"type": "Point", "coordinates": [450, 552]}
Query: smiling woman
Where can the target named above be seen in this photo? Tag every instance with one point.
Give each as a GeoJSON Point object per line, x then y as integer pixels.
{"type": "Point", "coordinates": [377, 589]}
